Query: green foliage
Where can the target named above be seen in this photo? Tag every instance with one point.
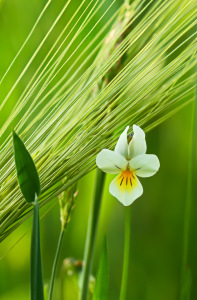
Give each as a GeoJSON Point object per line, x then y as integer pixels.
{"type": "Point", "coordinates": [30, 186]}
{"type": "Point", "coordinates": [72, 94]}
{"type": "Point", "coordinates": [102, 279]}
{"type": "Point", "coordinates": [186, 275]}
{"type": "Point", "coordinates": [92, 231]}
{"type": "Point", "coordinates": [37, 292]}
{"type": "Point", "coordinates": [26, 171]}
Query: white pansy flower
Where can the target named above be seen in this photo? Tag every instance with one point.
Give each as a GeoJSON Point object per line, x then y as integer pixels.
{"type": "Point", "coordinates": [129, 161]}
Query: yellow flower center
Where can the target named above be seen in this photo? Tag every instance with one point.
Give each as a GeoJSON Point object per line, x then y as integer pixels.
{"type": "Point", "coordinates": [126, 180]}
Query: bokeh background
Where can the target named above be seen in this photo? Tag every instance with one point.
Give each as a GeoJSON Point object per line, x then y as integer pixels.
{"type": "Point", "coordinates": [157, 216]}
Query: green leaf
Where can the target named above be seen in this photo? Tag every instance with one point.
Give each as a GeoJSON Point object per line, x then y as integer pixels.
{"type": "Point", "coordinates": [30, 186]}
{"type": "Point", "coordinates": [26, 171]}
{"type": "Point", "coordinates": [101, 286]}
{"type": "Point", "coordinates": [36, 265]}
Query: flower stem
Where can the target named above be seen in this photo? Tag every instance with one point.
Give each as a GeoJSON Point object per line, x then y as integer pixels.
{"type": "Point", "coordinates": [126, 254]}
{"type": "Point", "coordinates": [188, 203]}
{"type": "Point", "coordinates": [91, 233]}
{"type": "Point", "coordinates": [55, 263]}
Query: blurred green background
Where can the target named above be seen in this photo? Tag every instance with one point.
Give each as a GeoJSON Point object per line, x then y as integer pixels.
{"type": "Point", "coordinates": [157, 217]}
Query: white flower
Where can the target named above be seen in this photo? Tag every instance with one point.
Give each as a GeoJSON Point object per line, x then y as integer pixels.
{"type": "Point", "coordinates": [128, 161]}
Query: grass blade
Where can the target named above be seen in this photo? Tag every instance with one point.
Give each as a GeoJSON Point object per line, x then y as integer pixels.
{"type": "Point", "coordinates": [36, 265]}
{"type": "Point", "coordinates": [91, 232]}
{"type": "Point", "coordinates": [26, 171]}
{"type": "Point", "coordinates": [102, 279]}
{"type": "Point", "coordinates": [185, 283]}
{"type": "Point", "coordinates": [30, 186]}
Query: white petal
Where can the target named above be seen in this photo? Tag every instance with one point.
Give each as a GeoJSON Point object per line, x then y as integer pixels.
{"type": "Point", "coordinates": [122, 144]}
{"type": "Point", "coordinates": [145, 165]}
{"type": "Point", "coordinates": [126, 191]}
{"type": "Point", "coordinates": [137, 145]}
{"type": "Point", "coordinates": [111, 162]}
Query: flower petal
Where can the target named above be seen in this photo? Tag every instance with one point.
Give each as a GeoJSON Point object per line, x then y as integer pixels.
{"type": "Point", "coordinates": [111, 162]}
{"type": "Point", "coordinates": [122, 144]}
{"type": "Point", "coordinates": [137, 145]}
{"type": "Point", "coordinates": [126, 189]}
{"type": "Point", "coordinates": [145, 165]}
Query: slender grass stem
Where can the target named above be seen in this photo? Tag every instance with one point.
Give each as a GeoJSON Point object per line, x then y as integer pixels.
{"type": "Point", "coordinates": [55, 263]}
{"type": "Point", "coordinates": [188, 203]}
{"type": "Point", "coordinates": [91, 233]}
{"type": "Point", "coordinates": [36, 262]}
{"type": "Point", "coordinates": [126, 254]}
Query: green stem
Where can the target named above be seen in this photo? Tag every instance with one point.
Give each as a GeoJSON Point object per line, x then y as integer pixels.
{"type": "Point", "coordinates": [62, 284]}
{"type": "Point", "coordinates": [126, 254]}
{"type": "Point", "coordinates": [188, 203]}
{"type": "Point", "coordinates": [91, 233]}
{"type": "Point", "coordinates": [36, 264]}
{"type": "Point", "coordinates": [55, 263]}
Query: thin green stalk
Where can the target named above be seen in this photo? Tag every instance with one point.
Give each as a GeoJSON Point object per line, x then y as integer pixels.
{"type": "Point", "coordinates": [55, 263]}
{"type": "Point", "coordinates": [91, 233]}
{"type": "Point", "coordinates": [36, 264]}
{"type": "Point", "coordinates": [126, 254]}
{"type": "Point", "coordinates": [67, 202]}
{"type": "Point", "coordinates": [188, 203]}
